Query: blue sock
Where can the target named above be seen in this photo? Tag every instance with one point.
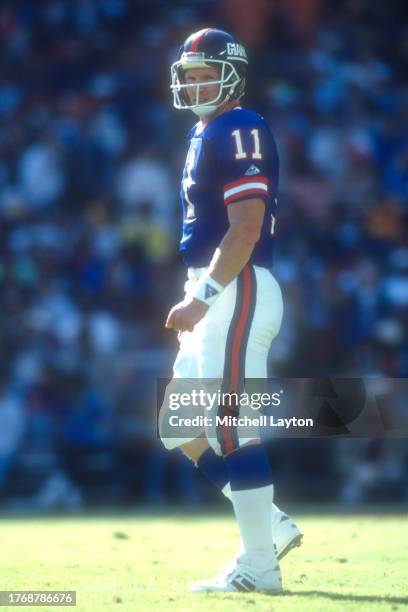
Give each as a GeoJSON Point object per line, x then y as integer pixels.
{"type": "Point", "coordinates": [214, 468]}
{"type": "Point", "coordinates": [248, 468]}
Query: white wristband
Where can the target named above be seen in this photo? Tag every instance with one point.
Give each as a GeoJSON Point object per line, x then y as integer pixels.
{"type": "Point", "coordinates": [207, 289]}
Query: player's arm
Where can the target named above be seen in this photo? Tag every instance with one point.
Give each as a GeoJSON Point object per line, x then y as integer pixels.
{"type": "Point", "coordinates": [245, 218]}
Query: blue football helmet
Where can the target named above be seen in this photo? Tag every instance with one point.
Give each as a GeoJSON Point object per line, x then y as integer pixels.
{"type": "Point", "coordinates": [204, 49]}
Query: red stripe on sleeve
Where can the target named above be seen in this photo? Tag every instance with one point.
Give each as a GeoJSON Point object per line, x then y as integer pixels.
{"type": "Point", "coordinates": [245, 180]}
{"type": "Point", "coordinates": [246, 193]}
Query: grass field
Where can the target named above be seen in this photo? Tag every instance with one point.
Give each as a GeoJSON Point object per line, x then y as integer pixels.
{"type": "Point", "coordinates": [147, 563]}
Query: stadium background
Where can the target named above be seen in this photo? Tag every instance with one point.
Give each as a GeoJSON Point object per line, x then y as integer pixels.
{"type": "Point", "coordinates": [91, 154]}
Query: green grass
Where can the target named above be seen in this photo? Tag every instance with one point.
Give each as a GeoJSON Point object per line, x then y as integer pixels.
{"type": "Point", "coordinates": [147, 563]}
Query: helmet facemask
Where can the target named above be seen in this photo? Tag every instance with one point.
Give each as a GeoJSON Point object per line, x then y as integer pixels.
{"type": "Point", "coordinates": [230, 84]}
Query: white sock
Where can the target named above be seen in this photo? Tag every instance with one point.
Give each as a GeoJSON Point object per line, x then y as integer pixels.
{"type": "Point", "coordinates": [276, 513]}
{"type": "Point", "coordinates": [253, 513]}
{"type": "Point", "coordinates": [226, 491]}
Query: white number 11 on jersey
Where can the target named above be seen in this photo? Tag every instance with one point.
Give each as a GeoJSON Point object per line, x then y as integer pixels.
{"type": "Point", "coordinates": [240, 153]}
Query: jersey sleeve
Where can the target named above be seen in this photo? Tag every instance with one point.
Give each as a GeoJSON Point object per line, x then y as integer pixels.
{"type": "Point", "coordinates": [247, 162]}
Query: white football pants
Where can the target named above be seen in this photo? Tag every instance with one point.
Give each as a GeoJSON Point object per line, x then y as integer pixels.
{"type": "Point", "coordinates": [229, 344]}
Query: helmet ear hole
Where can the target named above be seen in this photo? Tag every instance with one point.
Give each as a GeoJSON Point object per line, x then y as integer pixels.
{"type": "Point", "coordinates": [232, 90]}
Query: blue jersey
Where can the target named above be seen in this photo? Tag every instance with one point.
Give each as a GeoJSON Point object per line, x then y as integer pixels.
{"type": "Point", "coordinates": [232, 158]}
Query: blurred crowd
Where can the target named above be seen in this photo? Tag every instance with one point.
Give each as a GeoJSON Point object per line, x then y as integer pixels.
{"type": "Point", "coordinates": [91, 153]}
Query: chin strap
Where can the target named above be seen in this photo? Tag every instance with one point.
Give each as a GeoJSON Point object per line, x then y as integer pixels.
{"type": "Point", "coordinates": [203, 110]}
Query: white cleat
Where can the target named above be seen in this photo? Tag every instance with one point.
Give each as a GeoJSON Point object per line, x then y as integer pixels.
{"type": "Point", "coordinates": [286, 536]}
{"type": "Point", "coordinates": [243, 579]}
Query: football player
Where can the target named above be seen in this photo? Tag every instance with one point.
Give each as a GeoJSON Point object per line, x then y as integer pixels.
{"type": "Point", "coordinates": [232, 309]}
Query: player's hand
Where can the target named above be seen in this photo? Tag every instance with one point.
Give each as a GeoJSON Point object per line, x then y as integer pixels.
{"type": "Point", "coordinates": [185, 315]}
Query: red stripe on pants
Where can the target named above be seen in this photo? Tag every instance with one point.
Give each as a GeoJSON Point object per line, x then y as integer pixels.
{"type": "Point", "coordinates": [236, 347]}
